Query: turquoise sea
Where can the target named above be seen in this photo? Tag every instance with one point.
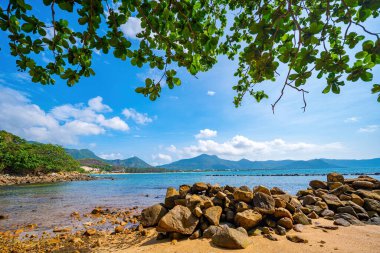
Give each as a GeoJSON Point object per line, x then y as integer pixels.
{"type": "Point", "coordinates": [50, 205]}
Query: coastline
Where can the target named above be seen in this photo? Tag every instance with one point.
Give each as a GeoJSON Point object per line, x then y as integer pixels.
{"type": "Point", "coordinates": [6, 180]}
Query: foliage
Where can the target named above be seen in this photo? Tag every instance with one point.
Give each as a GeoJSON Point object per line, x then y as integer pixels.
{"type": "Point", "coordinates": [307, 36]}
{"type": "Point", "coordinates": [19, 157]}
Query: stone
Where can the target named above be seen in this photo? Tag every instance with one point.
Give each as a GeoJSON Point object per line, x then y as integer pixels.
{"type": "Point", "coordinates": [119, 229]}
{"type": "Point", "coordinates": [340, 190]}
{"type": "Point", "coordinates": [184, 190]}
{"type": "Point", "coordinates": [285, 222]}
{"type": "Point", "coordinates": [199, 187]}
{"type": "Point", "coordinates": [231, 239]}
{"type": "Point", "coordinates": [221, 195]}
{"type": "Point", "coordinates": [270, 237]}
{"type": "Point", "coordinates": [334, 185]}
{"type": "Point", "coordinates": [313, 215]}
{"type": "Point", "coordinates": [242, 206]}
{"type": "Point", "coordinates": [277, 191]}
{"type": "Point", "coordinates": [371, 205]}
{"type": "Point", "coordinates": [296, 239]}
{"type": "Point", "coordinates": [171, 195]}
{"type": "Point", "coordinates": [254, 232]}
{"type": "Point", "coordinates": [230, 215]}
{"type": "Point", "coordinates": [90, 232]}
{"type": "Point", "coordinates": [210, 231]}
{"type": "Point", "coordinates": [335, 177]}
{"type": "Point", "coordinates": [316, 184]}
{"type": "Point", "coordinates": [197, 233]}
{"type": "Point", "coordinates": [357, 199]}
{"type": "Point", "coordinates": [368, 194]}
{"type": "Point", "coordinates": [321, 204]}
{"type": "Point", "coordinates": [62, 230]}
{"type": "Point", "coordinates": [271, 223]}
{"type": "Point", "coordinates": [151, 216]}
{"type": "Point", "coordinates": [263, 203]}
{"type": "Point", "coordinates": [301, 218]}
{"type": "Point", "coordinates": [248, 219]}
{"type": "Point", "coordinates": [362, 185]}
{"type": "Point", "coordinates": [280, 230]}
{"type": "Point", "coordinates": [282, 212]}
{"type": "Point", "coordinates": [344, 197]}
{"type": "Point", "coordinates": [298, 228]}
{"type": "Point", "coordinates": [306, 210]}
{"type": "Point", "coordinates": [181, 202]}
{"type": "Point", "coordinates": [279, 203]}
{"type": "Point", "coordinates": [266, 230]}
{"type": "Point", "coordinates": [241, 229]}
{"type": "Point", "coordinates": [192, 201]}
{"type": "Point", "coordinates": [341, 222]}
{"type": "Point", "coordinates": [262, 189]}
{"type": "Point", "coordinates": [245, 196]}
{"type": "Point", "coordinates": [180, 220]}
{"type": "Point", "coordinates": [198, 211]}
{"type": "Point", "coordinates": [374, 221]}
{"type": "Point", "coordinates": [348, 217]}
{"type": "Point", "coordinates": [309, 200]}
{"type": "Point", "coordinates": [332, 201]}
{"type": "Point", "coordinates": [347, 209]}
{"type": "Point", "coordinates": [327, 213]}
{"type": "Point", "coordinates": [213, 214]}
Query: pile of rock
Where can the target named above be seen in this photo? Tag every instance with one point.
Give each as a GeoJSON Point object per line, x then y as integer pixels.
{"type": "Point", "coordinates": [229, 215]}
{"type": "Point", "coordinates": [44, 178]}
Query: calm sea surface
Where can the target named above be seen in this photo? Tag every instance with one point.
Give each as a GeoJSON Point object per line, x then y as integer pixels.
{"type": "Point", "coordinates": [50, 205]}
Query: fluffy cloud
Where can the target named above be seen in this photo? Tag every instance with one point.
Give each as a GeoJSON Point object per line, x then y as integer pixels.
{"type": "Point", "coordinates": [63, 124]}
{"type": "Point", "coordinates": [242, 147]}
{"type": "Point", "coordinates": [162, 158]}
{"type": "Point", "coordinates": [369, 129]}
{"type": "Point", "coordinates": [206, 133]}
{"type": "Point", "coordinates": [132, 27]}
{"type": "Point", "coordinates": [210, 93]}
{"type": "Point", "coordinates": [111, 156]}
{"type": "Point", "coordinates": [139, 118]}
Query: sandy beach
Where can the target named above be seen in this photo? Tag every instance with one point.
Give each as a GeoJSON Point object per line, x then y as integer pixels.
{"type": "Point", "coordinates": [344, 239]}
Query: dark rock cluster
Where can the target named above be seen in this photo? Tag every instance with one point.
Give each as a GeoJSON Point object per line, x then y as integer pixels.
{"type": "Point", "coordinates": [229, 215]}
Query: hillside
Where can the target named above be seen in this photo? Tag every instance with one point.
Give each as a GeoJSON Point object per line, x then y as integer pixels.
{"type": "Point", "coordinates": [82, 154]}
{"type": "Point", "coordinates": [133, 162]}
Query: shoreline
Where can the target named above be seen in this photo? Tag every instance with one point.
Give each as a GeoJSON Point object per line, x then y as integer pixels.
{"type": "Point", "coordinates": [8, 180]}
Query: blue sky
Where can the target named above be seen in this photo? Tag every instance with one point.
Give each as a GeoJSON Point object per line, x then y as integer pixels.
{"type": "Point", "coordinates": [104, 114]}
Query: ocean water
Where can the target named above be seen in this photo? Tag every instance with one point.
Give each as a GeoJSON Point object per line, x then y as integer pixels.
{"type": "Point", "coordinates": [50, 205]}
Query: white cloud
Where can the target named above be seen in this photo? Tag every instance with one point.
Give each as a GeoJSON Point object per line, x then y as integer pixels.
{"type": "Point", "coordinates": [210, 93]}
{"type": "Point", "coordinates": [132, 27]}
{"type": "Point", "coordinates": [240, 147]}
{"type": "Point", "coordinates": [62, 125]}
{"type": "Point", "coordinates": [139, 118]}
{"type": "Point", "coordinates": [206, 133]}
{"type": "Point", "coordinates": [369, 129]}
{"type": "Point", "coordinates": [162, 158]}
{"type": "Point", "coordinates": [97, 105]}
{"type": "Point", "coordinates": [351, 120]}
{"type": "Point", "coordinates": [111, 156]}
{"type": "Point", "coordinates": [171, 148]}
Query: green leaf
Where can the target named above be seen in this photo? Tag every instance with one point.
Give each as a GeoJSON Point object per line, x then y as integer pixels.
{"type": "Point", "coordinates": [326, 89]}
{"type": "Point", "coordinates": [27, 27]}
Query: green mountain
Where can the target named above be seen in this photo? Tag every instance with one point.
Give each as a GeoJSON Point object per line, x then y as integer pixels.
{"type": "Point", "coordinates": [133, 162]}
{"type": "Point", "coordinates": [316, 163]}
{"type": "Point", "coordinates": [82, 154]}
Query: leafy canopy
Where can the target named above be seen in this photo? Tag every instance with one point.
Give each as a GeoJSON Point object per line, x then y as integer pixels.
{"type": "Point", "coordinates": [306, 35]}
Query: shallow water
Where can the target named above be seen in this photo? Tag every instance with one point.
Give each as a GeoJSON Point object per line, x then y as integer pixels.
{"type": "Point", "coordinates": [50, 205]}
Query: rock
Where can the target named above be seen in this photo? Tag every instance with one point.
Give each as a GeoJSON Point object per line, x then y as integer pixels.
{"type": "Point", "coordinates": [180, 220]}
{"type": "Point", "coordinates": [262, 189]}
{"type": "Point", "coordinates": [197, 233]}
{"type": "Point", "coordinates": [371, 205]}
{"type": "Point", "coordinates": [347, 209]}
{"type": "Point", "coordinates": [316, 184]}
{"type": "Point", "coordinates": [368, 194]}
{"type": "Point", "coordinates": [357, 200]}
{"type": "Point", "coordinates": [221, 195]}
{"type": "Point", "coordinates": [309, 200]}
{"type": "Point", "coordinates": [327, 213]}
{"type": "Point", "coordinates": [248, 219]}
{"type": "Point", "coordinates": [210, 231]}
{"type": "Point", "coordinates": [266, 230]}
{"type": "Point", "coordinates": [213, 214]}
{"type": "Point", "coordinates": [199, 187]}
{"type": "Point", "coordinates": [332, 201]}
{"type": "Point", "coordinates": [263, 203]}
{"type": "Point", "coordinates": [313, 215]}
{"type": "Point", "coordinates": [277, 191]}
{"type": "Point", "coordinates": [240, 195]}
{"type": "Point", "coordinates": [198, 211]}
{"type": "Point", "coordinates": [335, 177]}
{"type": "Point", "coordinates": [271, 223]}
{"type": "Point", "coordinates": [183, 190]}
{"type": "Point", "coordinates": [321, 204]}
{"type": "Point", "coordinates": [341, 222]}
{"type": "Point", "coordinates": [119, 229]}
{"type": "Point", "coordinates": [90, 232]}
{"type": "Point", "coordinates": [328, 227]}
{"type": "Point", "coordinates": [296, 239]}
{"type": "Point", "coordinates": [285, 222]}
{"type": "Point", "coordinates": [62, 230]}
{"type": "Point", "coordinates": [340, 190]}
{"type": "Point", "coordinates": [254, 232]}
{"type": "Point", "coordinates": [374, 221]}
{"type": "Point", "coordinates": [171, 195]}
{"type": "Point", "coordinates": [334, 185]}
{"type": "Point", "coordinates": [241, 229]}
{"type": "Point", "coordinates": [301, 218]}
{"type": "Point", "coordinates": [242, 206]}
{"type": "Point", "coordinates": [362, 185]}
{"type": "Point", "coordinates": [282, 212]}
{"type": "Point", "coordinates": [3, 216]}
{"type": "Point", "coordinates": [279, 203]}
{"type": "Point", "coordinates": [280, 230]}
{"type": "Point", "coordinates": [231, 239]}
{"type": "Point", "coordinates": [270, 237]}
{"type": "Point", "coordinates": [298, 228]}
{"type": "Point", "coordinates": [348, 217]}
{"type": "Point", "coordinates": [230, 215]}
{"type": "Point", "coordinates": [192, 201]}
{"type": "Point", "coordinates": [181, 202]}
{"type": "Point", "coordinates": [151, 216]}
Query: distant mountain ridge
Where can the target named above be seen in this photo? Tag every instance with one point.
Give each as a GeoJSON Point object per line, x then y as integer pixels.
{"type": "Point", "coordinates": [212, 162]}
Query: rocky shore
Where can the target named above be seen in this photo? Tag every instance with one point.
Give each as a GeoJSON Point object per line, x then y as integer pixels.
{"type": "Point", "coordinates": [342, 212]}
{"type": "Point", "coordinates": [44, 178]}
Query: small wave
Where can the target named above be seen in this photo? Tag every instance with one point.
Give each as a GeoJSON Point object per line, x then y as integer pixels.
{"type": "Point", "coordinates": [289, 175]}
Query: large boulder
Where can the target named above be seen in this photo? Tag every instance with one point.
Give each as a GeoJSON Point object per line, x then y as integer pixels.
{"type": "Point", "coordinates": [193, 201]}
{"type": "Point", "coordinates": [368, 194]}
{"type": "Point", "coordinates": [282, 212]}
{"type": "Point", "coordinates": [199, 187]}
{"type": "Point", "coordinates": [335, 177]}
{"type": "Point", "coordinates": [362, 184]}
{"type": "Point", "coordinates": [263, 203]}
{"type": "Point", "coordinates": [263, 189]}
{"type": "Point", "coordinates": [348, 217]}
{"type": "Point", "coordinates": [152, 215]}
{"type": "Point", "coordinates": [213, 214]}
{"type": "Point", "coordinates": [285, 222]}
{"type": "Point", "coordinates": [171, 195]}
{"type": "Point", "coordinates": [317, 184]}
{"type": "Point", "coordinates": [371, 205]}
{"type": "Point", "coordinates": [240, 195]}
{"type": "Point", "coordinates": [332, 201]}
{"type": "Point", "coordinates": [231, 239]}
{"type": "Point", "coordinates": [180, 220]}
{"type": "Point", "coordinates": [248, 219]}
{"type": "Point", "coordinates": [211, 231]}
{"type": "Point", "coordinates": [183, 190]}
{"type": "Point", "coordinates": [301, 218]}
